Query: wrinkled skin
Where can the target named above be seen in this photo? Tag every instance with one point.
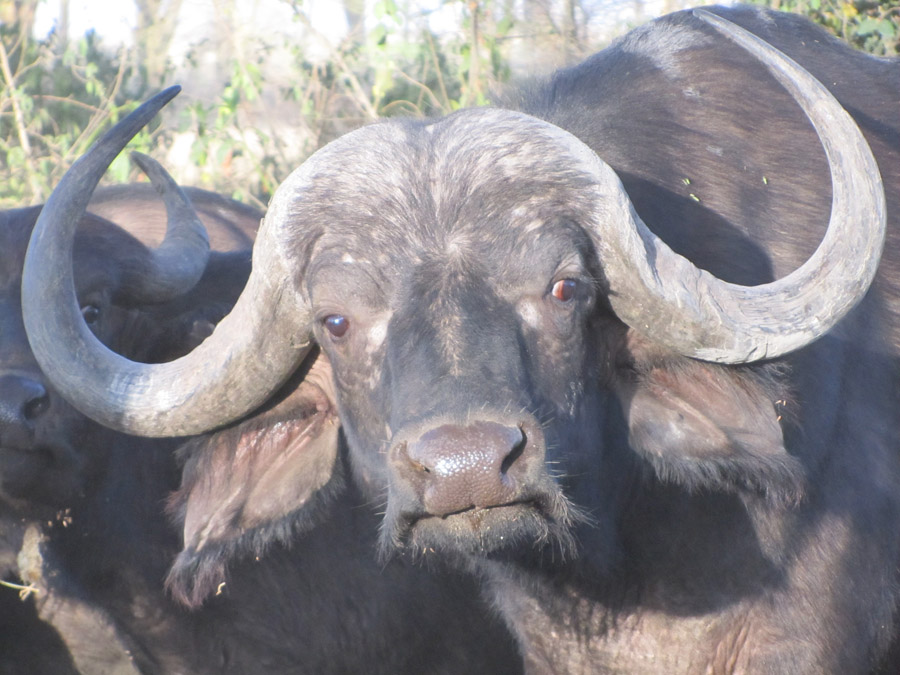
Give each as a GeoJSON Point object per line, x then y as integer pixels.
{"type": "Point", "coordinates": [82, 518]}
{"type": "Point", "coordinates": [629, 509]}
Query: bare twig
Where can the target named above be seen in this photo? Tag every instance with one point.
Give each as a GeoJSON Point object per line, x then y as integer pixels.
{"type": "Point", "coordinates": [69, 101]}
{"type": "Point", "coordinates": [92, 128]}
{"type": "Point", "coordinates": [360, 97]}
{"type": "Point", "coordinates": [24, 591]}
{"type": "Point", "coordinates": [21, 130]}
{"type": "Point", "coordinates": [437, 69]}
{"type": "Point", "coordinates": [472, 95]}
{"type": "Point", "coordinates": [425, 89]}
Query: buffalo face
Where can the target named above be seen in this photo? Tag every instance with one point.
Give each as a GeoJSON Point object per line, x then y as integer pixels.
{"type": "Point", "coordinates": [522, 369]}
{"type": "Point", "coordinates": [464, 354]}
{"type": "Point", "coordinates": [39, 430]}
{"type": "Point", "coordinates": [484, 383]}
{"type": "Point", "coordinates": [50, 452]}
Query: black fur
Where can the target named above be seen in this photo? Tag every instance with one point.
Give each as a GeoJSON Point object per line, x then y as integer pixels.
{"type": "Point", "coordinates": [668, 515]}
{"type": "Point", "coordinates": [83, 519]}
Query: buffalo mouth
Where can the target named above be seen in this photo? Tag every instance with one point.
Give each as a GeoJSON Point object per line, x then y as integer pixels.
{"type": "Point", "coordinates": [477, 512]}
{"type": "Point", "coordinates": [43, 473]}
{"type": "Point", "coordinates": [21, 468]}
{"type": "Point", "coordinates": [532, 522]}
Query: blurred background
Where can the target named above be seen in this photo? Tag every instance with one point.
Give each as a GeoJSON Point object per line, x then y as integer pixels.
{"type": "Point", "coordinates": [267, 82]}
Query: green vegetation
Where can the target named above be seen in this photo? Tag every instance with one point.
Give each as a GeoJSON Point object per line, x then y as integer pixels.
{"type": "Point", "coordinates": [871, 26]}
{"type": "Point", "coordinates": [55, 101]}
{"type": "Point", "coordinates": [279, 97]}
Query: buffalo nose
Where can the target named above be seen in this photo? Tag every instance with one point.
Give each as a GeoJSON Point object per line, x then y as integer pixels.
{"type": "Point", "coordinates": [22, 401]}
{"type": "Point", "coordinates": [462, 467]}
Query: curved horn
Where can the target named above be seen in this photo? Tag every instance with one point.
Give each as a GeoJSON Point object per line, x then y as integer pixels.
{"type": "Point", "coordinates": [252, 350]}
{"type": "Point", "coordinates": [176, 265]}
{"type": "Point", "coordinates": [663, 295]}
{"type": "Point", "coordinates": [256, 347]}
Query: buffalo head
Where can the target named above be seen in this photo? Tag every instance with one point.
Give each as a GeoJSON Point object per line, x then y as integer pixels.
{"type": "Point", "coordinates": [496, 316]}
{"type": "Point", "coordinates": [135, 300]}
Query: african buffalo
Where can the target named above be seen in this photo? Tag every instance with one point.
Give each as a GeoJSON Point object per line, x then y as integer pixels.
{"type": "Point", "coordinates": [56, 466]}
{"type": "Point", "coordinates": [83, 523]}
{"type": "Point", "coordinates": [662, 451]}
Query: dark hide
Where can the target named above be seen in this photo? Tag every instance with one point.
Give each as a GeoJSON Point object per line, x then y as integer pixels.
{"type": "Point", "coordinates": [632, 510]}
{"type": "Point", "coordinates": [37, 461]}
{"type": "Point", "coordinates": [355, 615]}
{"type": "Point", "coordinates": [80, 521]}
{"type": "Point", "coordinates": [83, 520]}
{"type": "Point", "coordinates": [230, 224]}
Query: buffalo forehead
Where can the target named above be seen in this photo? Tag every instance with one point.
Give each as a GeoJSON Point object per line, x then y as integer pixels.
{"type": "Point", "coordinates": [437, 180]}
{"type": "Point", "coordinates": [510, 265]}
{"type": "Point", "coordinates": [450, 187]}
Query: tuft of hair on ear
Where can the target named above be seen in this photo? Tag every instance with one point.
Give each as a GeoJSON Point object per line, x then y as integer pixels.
{"type": "Point", "coordinates": [264, 480]}
{"type": "Point", "coordinates": [710, 427]}
{"type": "Point", "coordinates": [196, 576]}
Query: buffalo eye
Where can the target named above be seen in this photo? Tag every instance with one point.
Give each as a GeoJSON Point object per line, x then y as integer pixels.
{"type": "Point", "coordinates": [337, 325]}
{"type": "Point", "coordinates": [90, 313]}
{"type": "Point", "coordinates": [564, 289]}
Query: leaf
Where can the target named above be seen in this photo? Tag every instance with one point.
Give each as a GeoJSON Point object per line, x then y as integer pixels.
{"type": "Point", "coordinates": [378, 35]}
{"type": "Point", "coordinates": [887, 29]}
{"type": "Point", "coordinates": [867, 26]}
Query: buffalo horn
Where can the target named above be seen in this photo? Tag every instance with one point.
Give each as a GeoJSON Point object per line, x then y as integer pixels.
{"type": "Point", "coordinates": [245, 359]}
{"type": "Point", "coordinates": [177, 264]}
{"type": "Point", "coordinates": [663, 295]}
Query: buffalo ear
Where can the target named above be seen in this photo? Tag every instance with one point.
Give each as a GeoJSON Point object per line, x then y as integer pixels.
{"type": "Point", "coordinates": [264, 480]}
{"type": "Point", "coordinates": [711, 427]}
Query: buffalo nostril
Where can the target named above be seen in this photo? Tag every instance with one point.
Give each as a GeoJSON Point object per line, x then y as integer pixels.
{"type": "Point", "coordinates": [515, 453]}
{"type": "Point", "coordinates": [36, 407]}
{"type": "Point", "coordinates": [22, 401]}
{"type": "Point", "coordinates": [401, 456]}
